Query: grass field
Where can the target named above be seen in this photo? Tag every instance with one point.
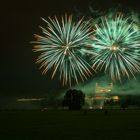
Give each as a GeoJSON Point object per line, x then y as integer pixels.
{"type": "Point", "coordinates": [70, 125]}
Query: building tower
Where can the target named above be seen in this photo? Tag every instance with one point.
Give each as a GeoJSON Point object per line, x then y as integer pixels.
{"type": "Point", "coordinates": [102, 94]}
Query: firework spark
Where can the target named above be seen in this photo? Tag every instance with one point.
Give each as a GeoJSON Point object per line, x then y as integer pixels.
{"type": "Point", "coordinates": [117, 42]}
{"type": "Point", "coordinates": [63, 47]}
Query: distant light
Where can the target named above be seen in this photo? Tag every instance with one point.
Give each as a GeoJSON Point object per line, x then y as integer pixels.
{"type": "Point", "coordinates": [115, 98]}
{"type": "Point", "coordinates": [90, 107]}
{"type": "Point", "coordinates": [100, 107]}
{"type": "Point", "coordinates": [31, 99]}
{"type": "Point", "coordinates": [100, 97]}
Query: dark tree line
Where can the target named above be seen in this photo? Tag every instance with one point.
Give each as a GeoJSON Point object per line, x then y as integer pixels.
{"type": "Point", "coordinates": [127, 100]}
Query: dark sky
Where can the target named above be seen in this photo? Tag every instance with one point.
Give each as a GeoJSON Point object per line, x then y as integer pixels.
{"type": "Point", "coordinates": [19, 21]}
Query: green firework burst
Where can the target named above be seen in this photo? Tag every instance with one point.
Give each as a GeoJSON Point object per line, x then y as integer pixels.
{"type": "Point", "coordinates": [117, 42]}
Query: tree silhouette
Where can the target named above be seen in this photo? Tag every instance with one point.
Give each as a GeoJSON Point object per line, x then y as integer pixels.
{"type": "Point", "coordinates": [74, 99]}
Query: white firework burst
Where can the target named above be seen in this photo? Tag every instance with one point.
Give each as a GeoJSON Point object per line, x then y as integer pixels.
{"type": "Point", "coordinates": [63, 46]}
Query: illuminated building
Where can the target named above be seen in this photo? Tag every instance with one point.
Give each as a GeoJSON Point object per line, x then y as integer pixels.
{"type": "Point", "coordinates": [101, 94]}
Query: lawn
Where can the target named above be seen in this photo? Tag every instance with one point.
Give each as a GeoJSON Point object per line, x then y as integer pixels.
{"type": "Point", "coordinates": [70, 125]}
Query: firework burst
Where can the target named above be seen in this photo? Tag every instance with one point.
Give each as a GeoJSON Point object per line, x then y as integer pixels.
{"type": "Point", "coordinates": [117, 42]}
{"type": "Point", "coordinates": [63, 47]}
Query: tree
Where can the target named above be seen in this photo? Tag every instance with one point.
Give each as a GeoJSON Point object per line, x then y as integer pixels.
{"type": "Point", "coordinates": [74, 99]}
{"type": "Point", "coordinates": [124, 102]}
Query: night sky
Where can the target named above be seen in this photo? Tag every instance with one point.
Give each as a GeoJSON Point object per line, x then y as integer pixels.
{"type": "Point", "coordinates": [19, 74]}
